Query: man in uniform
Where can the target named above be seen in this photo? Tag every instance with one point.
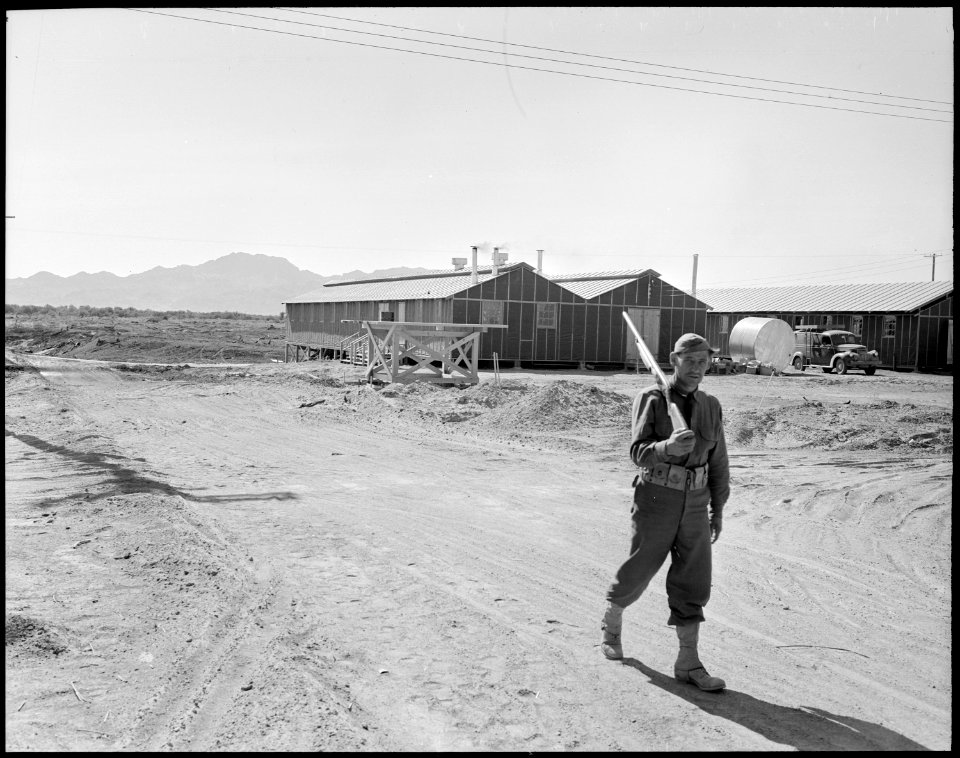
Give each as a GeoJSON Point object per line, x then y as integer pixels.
{"type": "Point", "coordinates": [679, 494]}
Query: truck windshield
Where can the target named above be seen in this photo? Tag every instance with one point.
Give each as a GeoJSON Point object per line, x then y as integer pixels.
{"type": "Point", "coordinates": [844, 338]}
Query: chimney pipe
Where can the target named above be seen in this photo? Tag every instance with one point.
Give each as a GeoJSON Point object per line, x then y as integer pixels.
{"type": "Point", "coordinates": [694, 292]}
{"type": "Point", "coordinates": [539, 261]}
{"type": "Point", "coordinates": [496, 261]}
{"type": "Point", "coordinates": [473, 275]}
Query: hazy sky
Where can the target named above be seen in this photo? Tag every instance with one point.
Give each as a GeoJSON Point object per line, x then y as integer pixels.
{"type": "Point", "coordinates": [137, 140]}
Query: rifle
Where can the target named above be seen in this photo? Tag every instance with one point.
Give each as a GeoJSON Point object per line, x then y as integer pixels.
{"type": "Point", "coordinates": [651, 363]}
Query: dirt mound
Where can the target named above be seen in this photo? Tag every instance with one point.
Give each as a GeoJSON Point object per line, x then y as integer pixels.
{"type": "Point", "coordinates": [842, 426]}
{"type": "Point", "coordinates": [513, 409]}
{"type": "Point", "coordinates": [925, 416]}
{"type": "Point", "coordinates": [24, 635]}
{"type": "Point", "coordinates": [561, 405]}
{"type": "Point", "coordinates": [516, 407]}
{"type": "Point", "coordinates": [420, 389]}
{"type": "Point", "coordinates": [491, 395]}
{"type": "Point", "coordinates": [167, 370]}
{"type": "Point", "coordinates": [325, 381]}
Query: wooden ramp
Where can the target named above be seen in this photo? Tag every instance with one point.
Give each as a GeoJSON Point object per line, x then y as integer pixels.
{"type": "Point", "coordinates": [406, 351]}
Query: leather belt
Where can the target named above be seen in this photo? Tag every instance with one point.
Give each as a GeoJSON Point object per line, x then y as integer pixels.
{"type": "Point", "coordinates": [675, 477]}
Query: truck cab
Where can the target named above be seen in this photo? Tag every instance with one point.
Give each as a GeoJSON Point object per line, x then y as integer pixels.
{"type": "Point", "coordinates": [832, 350]}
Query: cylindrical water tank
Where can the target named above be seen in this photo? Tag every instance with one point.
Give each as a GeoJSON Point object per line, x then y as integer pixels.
{"type": "Point", "coordinates": [768, 340]}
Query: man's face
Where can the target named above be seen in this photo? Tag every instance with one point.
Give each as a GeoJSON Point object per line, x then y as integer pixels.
{"type": "Point", "coordinates": [689, 368]}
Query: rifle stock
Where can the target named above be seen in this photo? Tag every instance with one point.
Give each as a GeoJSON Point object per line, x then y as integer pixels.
{"type": "Point", "coordinates": [650, 361]}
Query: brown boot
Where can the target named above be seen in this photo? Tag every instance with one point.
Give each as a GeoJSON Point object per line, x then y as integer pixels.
{"type": "Point", "coordinates": [612, 626]}
{"type": "Point", "coordinates": [688, 667]}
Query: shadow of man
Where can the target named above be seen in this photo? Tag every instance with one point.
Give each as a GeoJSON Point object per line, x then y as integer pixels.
{"type": "Point", "coordinates": [803, 728]}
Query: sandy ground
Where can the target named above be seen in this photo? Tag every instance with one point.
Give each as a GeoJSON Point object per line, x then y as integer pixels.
{"type": "Point", "coordinates": [277, 557]}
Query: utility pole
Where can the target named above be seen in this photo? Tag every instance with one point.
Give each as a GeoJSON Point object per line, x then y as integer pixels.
{"type": "Point", "coordinates": [933, 273]}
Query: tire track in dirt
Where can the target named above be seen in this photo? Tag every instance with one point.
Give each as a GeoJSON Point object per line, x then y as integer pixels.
{"type": "Point", "coordinates": [194, 682]}
{"type": "Point", "coordinates": [201, 683]}
{"type": "Point", "coordinates": [100, 578]}
{"type": "Point", "coordinates": [811, 569]}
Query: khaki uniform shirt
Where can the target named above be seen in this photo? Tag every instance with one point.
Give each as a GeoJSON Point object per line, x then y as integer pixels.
{"type": "Point", "coordinates": [652, 427]}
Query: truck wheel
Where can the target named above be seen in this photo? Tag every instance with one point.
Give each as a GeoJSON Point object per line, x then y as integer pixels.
{"type": "Point", "coordinates": [870, 370]}
{"type": "Point", "coordinates": [798, 364]}
{"type": "Point", "coordinates": [840, 366]}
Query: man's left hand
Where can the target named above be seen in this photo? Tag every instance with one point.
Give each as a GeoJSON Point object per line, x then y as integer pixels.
{"type": "Point", "coordinates": [716, 526]}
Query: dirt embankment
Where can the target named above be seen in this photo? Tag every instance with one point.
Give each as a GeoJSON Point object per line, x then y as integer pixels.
{"type": "Point", "coordinates": [158, 339]}
{"type": "Point", "coordinates": [277, 557]}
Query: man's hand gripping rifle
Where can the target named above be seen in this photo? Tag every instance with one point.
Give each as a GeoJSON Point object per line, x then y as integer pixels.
{"type": "Point", "coordinates": [651, 363]}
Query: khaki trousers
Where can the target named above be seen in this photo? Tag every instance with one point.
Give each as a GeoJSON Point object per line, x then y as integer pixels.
{"type": "Point", "coordinates": [675, 523]}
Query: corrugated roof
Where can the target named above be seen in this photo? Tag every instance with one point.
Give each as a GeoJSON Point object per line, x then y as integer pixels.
{"type": "Point", "coordinates": [447, 282]}
{"type": "Point", "coordinates": [633, 273]}
{"type": "Point", "coordinates": [591, 285]}
{"type": "Point", "coordinates": [487, 269]}
{"type": "Point", "coordinates": [836, 298]}
{"type": "Point", "coordinates": [423, 287]}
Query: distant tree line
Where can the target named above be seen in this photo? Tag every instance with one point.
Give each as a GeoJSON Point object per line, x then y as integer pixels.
{"type": "Point", "coordinates": [75, 311]}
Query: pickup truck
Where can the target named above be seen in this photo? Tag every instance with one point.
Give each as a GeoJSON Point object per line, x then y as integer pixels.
{"type": "Point", "coordinates": [832, 350]}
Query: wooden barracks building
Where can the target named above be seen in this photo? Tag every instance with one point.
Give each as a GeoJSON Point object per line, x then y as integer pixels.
{"type": "Point", "coordinates": [576, 319]}
{"type": "Point", "coordinates": [572, 319]}
{"type": "Point", "coordinates": [910, 324]}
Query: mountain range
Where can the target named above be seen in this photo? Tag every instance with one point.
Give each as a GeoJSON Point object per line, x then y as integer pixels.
{"type": "Point", "coordinates": [241, 282]}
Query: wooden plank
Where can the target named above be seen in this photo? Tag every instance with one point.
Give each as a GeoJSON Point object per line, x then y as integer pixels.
{"type": "Point", "coordinates": [376, 358]}
{"type": "Point", "coordinates": [431, 324]}
{"type": "Point", "coordinates": [424, 369]}
{"type": "Point", "coordinates": [438, 379]}
{"type": "Point", "coordinates": [470, 356]}
{"type": "Point", "coordinates": [432, 355]}
{"type": "Point", "coordinates": [436, 335]}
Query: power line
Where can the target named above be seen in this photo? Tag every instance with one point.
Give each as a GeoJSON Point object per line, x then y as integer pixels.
{"type": "Point", "coordinates": [235, 242]}
{"type": "Point", "coordinates": [726, 256]}
{"type": "Point", "coordinates": [874, 256]}
{"type": "Point", "coordinates": [619, 60]}
{"type": "Point", "coordinates": [542, 70]}
{"type": "Point", "coordinates": [818, 274]}
{"type": "Point", "coordinates": [845, 254]}
{"type": "Point", "coordinates": [576, 63]}
{"type": "Point", "coordinates": [856, 268]}
{"type": "Point", "coordinates": [849, 270]}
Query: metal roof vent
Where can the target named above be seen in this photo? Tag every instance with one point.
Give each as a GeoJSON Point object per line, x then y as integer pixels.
{"type": "Point", "coordinates": [498, 260]}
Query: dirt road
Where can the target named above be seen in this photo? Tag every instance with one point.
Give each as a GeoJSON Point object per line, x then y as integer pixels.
{"type": "Point", "coordinates": [279, 558]}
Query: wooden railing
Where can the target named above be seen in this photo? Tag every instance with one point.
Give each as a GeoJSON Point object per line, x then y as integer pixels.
{"type": "Point", "coordinates": [353, 349]}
